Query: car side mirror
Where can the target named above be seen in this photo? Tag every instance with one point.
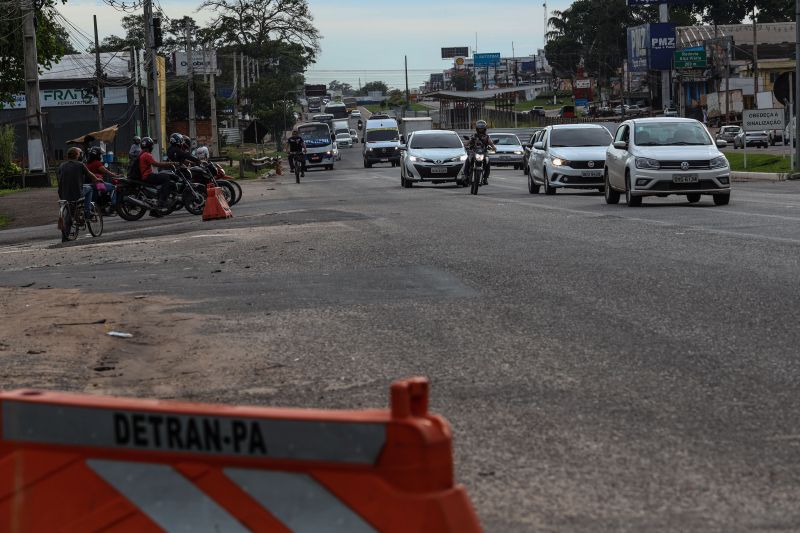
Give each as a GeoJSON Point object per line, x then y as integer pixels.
{"type": "Point", "coordinates": [722, 143]}
{"type": "Point", "coordinates": [620, 145]}
{"type": "Point", "coordinates": [538, 146]}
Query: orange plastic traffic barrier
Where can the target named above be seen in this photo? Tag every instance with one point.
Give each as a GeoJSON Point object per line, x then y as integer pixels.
{"type": "Point", "coordinates": [75, 463]}
{"type": "Point", "coordinates": [216, 205]}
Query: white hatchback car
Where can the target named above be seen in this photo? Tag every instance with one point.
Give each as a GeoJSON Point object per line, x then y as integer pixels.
{"type": "Point", "coordinates": [568, 156]}
{"type": "Point", "coordinates": [663, 156]}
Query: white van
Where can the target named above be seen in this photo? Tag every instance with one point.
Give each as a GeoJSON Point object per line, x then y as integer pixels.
{"type": "Point", "coordinates": [319, 145]}
{"type": "Point", "coordinates": [381, 142]}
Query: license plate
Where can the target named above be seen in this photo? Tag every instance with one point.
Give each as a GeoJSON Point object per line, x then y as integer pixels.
{"type": "Point", "coordinates": [592, 173]}
{"type": "Point", "coordinates": [684, 178]}
{"type": "Point", "coordinates": [315, 158]}
{"type": "Point", "coordinates": [438, 170]}
{"type": "Point", "coordinates": [385, 160]}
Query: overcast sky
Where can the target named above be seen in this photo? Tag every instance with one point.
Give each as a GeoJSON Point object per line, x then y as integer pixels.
{"type": "Point", "coordinates": [368, 40]}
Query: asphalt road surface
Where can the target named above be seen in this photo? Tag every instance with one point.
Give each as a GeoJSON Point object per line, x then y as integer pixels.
{"type": "Point", "coordinates": [604, 368]}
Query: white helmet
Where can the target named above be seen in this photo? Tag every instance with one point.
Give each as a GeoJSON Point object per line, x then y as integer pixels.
{"type": "Point", "coordinates": [202, 153]}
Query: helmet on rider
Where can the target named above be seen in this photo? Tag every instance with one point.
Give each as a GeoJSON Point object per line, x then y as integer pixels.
{"type": "Point", "coordinates": [480, 127]}
{"type": "Point", "coordinates": [176, 138]}
{"type": "Point", "coordinates": [94, 153]}
{"type": "Point", "coordinates": [75, 153]}
{"type": "Point", "coordinates": [147, 144]}
{"type": "Point", "coordinates": [202, 153]}
{"type": "Point", "coordinates": [137, 139]}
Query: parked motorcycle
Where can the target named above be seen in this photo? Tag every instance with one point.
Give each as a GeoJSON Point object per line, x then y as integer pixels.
{"type": "Point", "coordinates": [135, 198]}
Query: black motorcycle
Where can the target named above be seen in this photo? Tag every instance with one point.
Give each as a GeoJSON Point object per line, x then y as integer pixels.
{"type": "Point", "coordinates": [480, 162]}
{"type": "Point", "coordinates": [135, 198]}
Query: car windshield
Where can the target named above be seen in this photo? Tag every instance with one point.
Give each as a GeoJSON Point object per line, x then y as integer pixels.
{"type": "Point", "coordinates": [315, 135]}
{"type": "Point", "coordinates": [570, 137]}
{"type": "Point", "coordinates": [506, 140]}
{"type": "Point", "coordinates": [436, 140]}
{"type": "Point", "coordinates": [382, 135]}
{"type": "Point", "coordinates": [670, 134]}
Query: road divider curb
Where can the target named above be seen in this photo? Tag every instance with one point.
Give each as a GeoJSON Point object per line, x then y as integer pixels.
{"type": "Point", "coordinates": [72, 462]}
{"type": "Point", "coordinates": [760, 176]}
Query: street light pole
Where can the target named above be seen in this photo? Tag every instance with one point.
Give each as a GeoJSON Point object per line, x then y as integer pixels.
{"type": "Point", "coordinates": [797, 81]}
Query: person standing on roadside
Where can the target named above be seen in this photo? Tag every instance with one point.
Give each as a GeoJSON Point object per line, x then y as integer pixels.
{"type": "Point", "coordinates": [74, 184]}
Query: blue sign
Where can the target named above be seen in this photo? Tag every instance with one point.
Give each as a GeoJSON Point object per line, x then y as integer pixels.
{"type": "Point", "coordinates": [662, 45]}
{"type": "Point", "coordinates": [581, 102]}
{"type": "Point", "coordinates": [638, 41]}
{"type": "Point", "coordinates": [486, 60]}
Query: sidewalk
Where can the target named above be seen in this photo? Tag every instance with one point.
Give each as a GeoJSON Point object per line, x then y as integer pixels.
{"type": "Point", "coordinates": [32, 207]}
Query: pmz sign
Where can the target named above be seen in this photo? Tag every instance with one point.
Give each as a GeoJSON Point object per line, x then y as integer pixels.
{"type": "Point", "coordinates": [650, 47]}
{"type": "Point", "coordinates": [637, 48]}
{"type": "Point", "coordinates": [763, 119]}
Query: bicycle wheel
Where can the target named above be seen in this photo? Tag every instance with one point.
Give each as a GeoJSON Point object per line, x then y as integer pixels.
{"type": "Point", "coordinates": [95, 221]}
{"type": "Point", "coordinates": [65, 214]}
{"type": "Point", "coordinates": [238, 190]}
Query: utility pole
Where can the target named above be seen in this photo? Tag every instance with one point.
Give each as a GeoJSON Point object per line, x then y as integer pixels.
{"type": "Point", "coordinates": [99, 76]}
{"type": "Point", "coordinates": [137, 87]}
{"type": "Point", "coordinates": [795, 129]}
{"type": "Point", "coordinates": [154, 100]}
{"type": "Point", "coordinates": [755, 60]}
{"type": "Point", "coordinates": [190, 85]}
{"type": "Point", "coordinates": [235, 93]}
{"type": "Point", "coordinates": [408, 94]}
{"type": "Point", "coordinates": [666, 85]}
{"type": "Point", "coordinates": [36, 156]}
{"type": "Point", "coordinates": [212, 90]}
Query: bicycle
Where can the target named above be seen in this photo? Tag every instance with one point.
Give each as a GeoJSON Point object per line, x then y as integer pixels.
{"type": "Point", "coordinates": [72, 219]}
{"type": "Point", "coordinates": [298, 159]}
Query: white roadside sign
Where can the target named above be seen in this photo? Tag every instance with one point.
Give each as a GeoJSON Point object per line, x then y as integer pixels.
{"type": "Point", "coordinates": [763, 119]}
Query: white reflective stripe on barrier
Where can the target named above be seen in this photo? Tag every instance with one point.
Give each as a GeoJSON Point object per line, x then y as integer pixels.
{"type": "Point", "coordinates": [166, 497]}
{"type": "Point", "coordinates": [298, 501]}
{"type": "Point", "coordinates": [344, 442]}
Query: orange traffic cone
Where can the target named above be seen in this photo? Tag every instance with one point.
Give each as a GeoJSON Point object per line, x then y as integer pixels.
{"type": "Point", "coordinates": [216, 205]}
{"type": "Point", "coordinates": [279, 167]}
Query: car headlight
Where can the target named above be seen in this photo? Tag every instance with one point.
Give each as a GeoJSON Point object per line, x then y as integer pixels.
{"type": "Point", "coordinates": [719, 162]}
{"type": "Point", "coordinates": [647, 164]}
{"type": "Point", "coordinates": [413, 158]}
{"type": "Point", "coordinates": [369, 149]}
{"type": "Point", "coordinates": [463, 158]}
{"type": "Point", "coordinates": [557, 162]}
{"type": "Point", "coordinates": [396, 147]}
{"type": "Point", "coordinates": [479, 157]}
{"type": "Point", "coordinates": [517, 152]}
{"type": "Point", "coordinates": [328, 152]}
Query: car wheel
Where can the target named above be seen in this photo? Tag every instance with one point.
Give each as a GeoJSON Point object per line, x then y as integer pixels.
{"type": "Point", "coordinates": [630, 199]}
{"type": "Point", "coordinates": [533, 188]}
{"type": "Point", "coordinates": [611, 196]}
{"type": "Point", "coordinates": [547, 188]}
{"type": "Point", "coordinates": [722, 199]}
{"type": "Point", "coordinates": [693, 198]}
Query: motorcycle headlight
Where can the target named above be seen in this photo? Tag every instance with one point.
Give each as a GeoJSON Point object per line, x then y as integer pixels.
{"type": "Point", "coordinates": [719, 162]}
{"type": "Point", "coordinates": [647, 164]}
{"type": "Point", "coordinates": [557, 162]}
{"type": "Point", "coordinates": [479, 157]}
{"type": "Point", "coordinates": [463, 158]}
{"type": "Point", "coordinates": [413, 158]}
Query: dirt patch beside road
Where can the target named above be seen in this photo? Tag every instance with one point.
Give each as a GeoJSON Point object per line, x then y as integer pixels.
{"type": "Point", "coordinates": [56, 339]}
{"type": "Point", "coordinates": [34, 207]}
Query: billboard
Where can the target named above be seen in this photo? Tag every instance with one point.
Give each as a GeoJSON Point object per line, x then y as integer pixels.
{"type": "Point", "coordinates": [73, 97]}
{"type": "Point", "coordinates": [316, 90]}
{"type": "Point", "coordinates": [637, 48]}
{"type": "Point", "coordinates": [203, 62]}
{"type": "Point", "coordinates": [486, 60]}
{"type": "Point", "coordinates": [662, 45]}
{"type": "Point", "coordinates": [455, 51]}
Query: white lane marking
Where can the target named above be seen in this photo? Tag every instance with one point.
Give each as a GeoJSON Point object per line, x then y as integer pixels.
{"type": "Point", "coordinates": [298, 501]}
{"type": "Point", "coordinates": [166, 497]}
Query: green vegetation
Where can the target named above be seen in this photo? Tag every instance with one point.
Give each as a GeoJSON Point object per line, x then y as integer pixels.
{"type": "Point", "coordinates": [759, 162]}
{"type": "Point", "coordinates": [6, 192]}
{"type": "Point", "coordinates": [374, 108]}
{"type": "Point", "coordinates": [4, 220]}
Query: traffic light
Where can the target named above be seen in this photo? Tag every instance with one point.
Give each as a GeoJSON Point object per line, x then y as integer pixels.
{"type": "Point", "coordinates": [158, 38]}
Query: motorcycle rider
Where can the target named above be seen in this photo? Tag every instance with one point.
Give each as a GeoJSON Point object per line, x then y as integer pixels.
{"type": "Point", "coordinates": [136, 148]}
{"type": "Point", "coordinates": [296, 146]}
{"type": "Point", "coordinates": [481, 137]}
{"type": "Point", "coordinates": [95, 164]}
{"type": "Point", "coordinates": [178, 151]}
{"type": "Point", "coordinates": [162, 180]}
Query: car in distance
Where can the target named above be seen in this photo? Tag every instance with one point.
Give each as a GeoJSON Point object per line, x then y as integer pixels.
{"type": "Point", "coordinates": [508, 151]}
{"type": "Point", "coordinates": [728, 133]}
{"type": "Point", "coordinates": [752, 138]}
{"type": "Point", "coordinates": [568, 156]}
{"type": "Point", "coordinates": [663, 156]}
{"type": "Point", "coordinates": [567, 111]}
{"type": "Point", "coordinates": [355, 114]}
{"type": "Point", "coordinates": [435, 156]}
{"type": "Point", "coordinates": [670, 111]}
{"type": "Point", "coordinates": [537, 111]}
{"type": "Point", "coordinates": [344, 140]}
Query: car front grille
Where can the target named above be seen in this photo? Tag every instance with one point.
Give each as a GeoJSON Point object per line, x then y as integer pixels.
{"type": "Point", "coordinates": [425, 172]}
{"type": "Point", "coordinates": [693, 165]}
{"type": "Point", "coordinates": [384, 151]}
{"type": "Point", "coordinates": [670, 186]}
{"type": "Point", "coordinates": [598, 165]}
